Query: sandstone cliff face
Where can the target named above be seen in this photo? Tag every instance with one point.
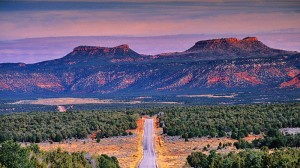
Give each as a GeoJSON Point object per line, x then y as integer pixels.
{"type": "Point", "coordinates": [212, 64]}
{"type": "Point", "coordinates": [294, 82]}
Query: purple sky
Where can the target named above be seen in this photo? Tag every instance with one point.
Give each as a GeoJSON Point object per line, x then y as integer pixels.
{"type": "Point", "coordinates": [275, 22]}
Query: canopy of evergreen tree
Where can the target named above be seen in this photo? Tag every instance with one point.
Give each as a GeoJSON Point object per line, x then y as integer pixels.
{"type": "Point", "coordinates": [235, 121]}
{"type": "Point", "coordinates": [37, 127]}
{"type": "Point", "coordinates": [289, 158]}
{"type": "Point", "coordinates": [12, 155]}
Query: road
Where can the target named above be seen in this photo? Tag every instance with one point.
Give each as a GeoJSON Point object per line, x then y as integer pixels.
{"type": "Point", "coordinates": [149, 158]}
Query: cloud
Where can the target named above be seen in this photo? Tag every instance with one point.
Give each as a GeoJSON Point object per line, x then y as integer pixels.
{"type": "Point", "coordinates": [101, 23]}
{"type": "Point", "coordinates": [210, 18]}
{"type": "Point", "coordinates": [137, 5]}
{"type": "Point", "coordinates": [28, 19]}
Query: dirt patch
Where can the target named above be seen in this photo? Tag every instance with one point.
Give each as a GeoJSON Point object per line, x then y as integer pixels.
{"type": "Point", "coordinates": [128, 149]}
{"type": "Point", "coordinates": [252, 137]}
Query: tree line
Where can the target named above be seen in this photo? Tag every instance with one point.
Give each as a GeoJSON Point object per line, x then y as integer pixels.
{"type": "Point", "coordinates": [231, 121]}
{"type": "Point", "coordinates": [41, 126]}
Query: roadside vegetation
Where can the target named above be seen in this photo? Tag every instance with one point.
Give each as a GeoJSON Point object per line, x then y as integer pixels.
{"type": "Point", "coordinates": [12, 155]}
{"type": "Point", "coordinates": [274, 150]}
{"type": "Point", "coordinates": [228, 121]}
{"type": "Point", "coordinates": [42, 126]}
{"type": "Point", "coordinates": [289, 158]}
{"type": "Point", "coordinates": [274, 139]}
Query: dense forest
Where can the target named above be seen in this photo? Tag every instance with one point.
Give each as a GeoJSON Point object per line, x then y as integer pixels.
{"type": "Point", "coordinates": [12, 155]}
{"type": "Point", "coordinates": [190, 121]}
{"type": "Point", "coordinates": [233, 121]}
{"type": "Point", "coordinates": [37, 127]}
{"type": "Point", "coordinates": [289, 158]}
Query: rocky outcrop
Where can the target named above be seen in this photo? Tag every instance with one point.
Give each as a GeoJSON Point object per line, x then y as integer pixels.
{"type": "Point", "coordinates": [100, 55]}
{"type": "Point", "coordinates": [232, 48]}
{"type": "Point", "coordinates": [228, 44]}
{"type": "Point", "coordinates": [122, 48]}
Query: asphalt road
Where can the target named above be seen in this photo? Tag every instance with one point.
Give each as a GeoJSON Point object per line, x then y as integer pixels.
{"type": "Point", "coordinates": [149, 158]}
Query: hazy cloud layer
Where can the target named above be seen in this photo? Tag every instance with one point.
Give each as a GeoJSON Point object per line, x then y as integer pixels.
{"type": "Point", "coordinates": [275, 22]}
{"type": "Point", "coordinates": [26, 19]}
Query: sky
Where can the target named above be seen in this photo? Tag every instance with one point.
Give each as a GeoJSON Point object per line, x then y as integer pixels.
{"type": "Point", "coordinates": [25, 19]}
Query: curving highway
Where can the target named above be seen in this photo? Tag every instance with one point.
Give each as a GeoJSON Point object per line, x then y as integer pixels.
{"type": "Point", "coordinates": [149, 158]}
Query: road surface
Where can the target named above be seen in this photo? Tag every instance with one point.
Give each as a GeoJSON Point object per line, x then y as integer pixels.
{"type": "Point", "coordinates": [149, 158]}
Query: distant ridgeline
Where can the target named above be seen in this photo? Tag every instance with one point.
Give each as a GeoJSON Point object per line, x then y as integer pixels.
{"type": "Point", "coordinates": [218, 64]}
